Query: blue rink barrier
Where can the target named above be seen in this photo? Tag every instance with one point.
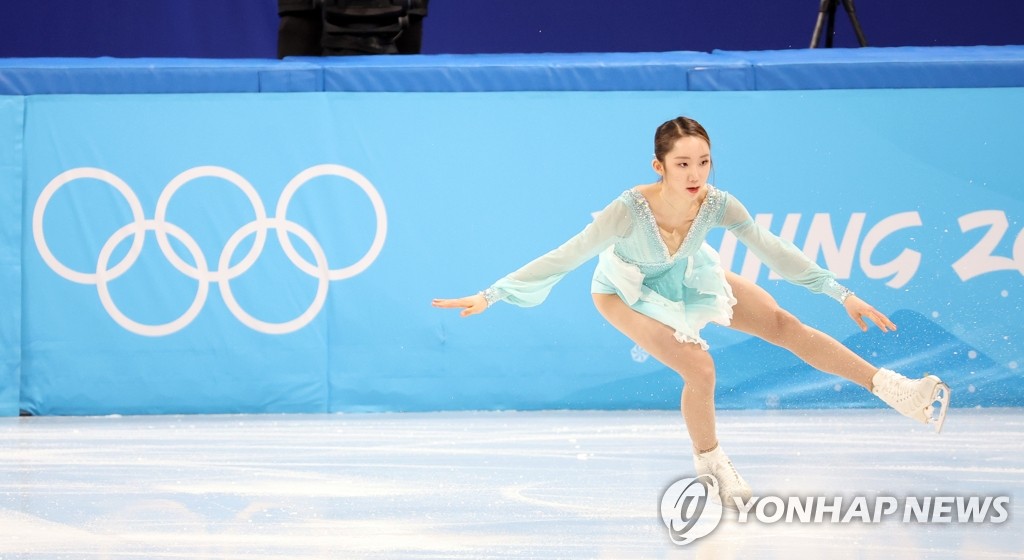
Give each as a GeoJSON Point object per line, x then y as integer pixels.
{"type": "Point", "coordinates": [906, 67]}
{"type": "Point", "coordinates": [268, 238]}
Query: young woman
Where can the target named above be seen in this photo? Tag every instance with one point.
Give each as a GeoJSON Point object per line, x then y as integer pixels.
{"type": "Point", "coordinates": [659, 283]}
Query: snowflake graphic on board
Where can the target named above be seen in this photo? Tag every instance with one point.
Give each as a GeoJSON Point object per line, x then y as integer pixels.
{"type": "Point", "coordinates": [638, 354]}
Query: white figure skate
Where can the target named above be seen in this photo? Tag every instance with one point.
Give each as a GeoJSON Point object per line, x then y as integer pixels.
{"type": "Point", "coordinates": [730, 483]}
{"type": "Point", "coordinates": [913, 398]}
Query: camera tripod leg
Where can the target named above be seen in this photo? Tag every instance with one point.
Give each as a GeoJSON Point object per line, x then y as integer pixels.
{"type": "Point", "coordinates": [827, 16]}
{"type": "Point", "coordinates": [848, 6]}
{"type": "Point", "coordinates": [826, 11]}
{"type": "Point", "coordinates": [830, 31]}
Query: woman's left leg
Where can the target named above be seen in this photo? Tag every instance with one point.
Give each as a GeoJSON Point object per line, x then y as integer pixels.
{"type": "Point", "coordinates": [757, 313]}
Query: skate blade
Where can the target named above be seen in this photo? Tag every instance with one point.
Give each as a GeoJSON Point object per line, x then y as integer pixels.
{"type": "Point", "coordinates": [941, 395]}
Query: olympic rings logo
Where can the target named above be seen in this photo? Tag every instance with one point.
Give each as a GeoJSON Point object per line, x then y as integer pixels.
{"type": "Point", "coordinates": [223, 274]}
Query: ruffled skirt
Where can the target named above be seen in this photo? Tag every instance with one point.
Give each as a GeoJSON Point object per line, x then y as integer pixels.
{"type": "Point", "coordinates": [690, 294]}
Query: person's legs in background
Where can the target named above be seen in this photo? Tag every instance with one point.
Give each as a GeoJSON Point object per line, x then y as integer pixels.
{"type": "Point", "coordinates": [298, 33]}
{"type": "Point", "coordinates": [411, 40]}
{"type": "Point", "coordinates": [350, 27]}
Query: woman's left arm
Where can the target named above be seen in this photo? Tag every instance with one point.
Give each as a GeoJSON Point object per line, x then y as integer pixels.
{"type": "Point", "coordinates": [792, 264]}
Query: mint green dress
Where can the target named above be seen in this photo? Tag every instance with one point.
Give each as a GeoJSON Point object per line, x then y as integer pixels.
{"type": "Point", "coordinates": [686, 290]}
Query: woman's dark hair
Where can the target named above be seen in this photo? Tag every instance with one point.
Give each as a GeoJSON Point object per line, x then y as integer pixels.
{"type": "Point", "coordinates": [670, 131]}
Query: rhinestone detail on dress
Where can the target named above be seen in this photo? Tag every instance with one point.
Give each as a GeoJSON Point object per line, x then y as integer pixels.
{"type": "Point", "coordinates": [708, 215]}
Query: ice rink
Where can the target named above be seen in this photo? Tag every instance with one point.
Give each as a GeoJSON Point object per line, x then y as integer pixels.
{"type": "Point", "coordinates": [484, 484]}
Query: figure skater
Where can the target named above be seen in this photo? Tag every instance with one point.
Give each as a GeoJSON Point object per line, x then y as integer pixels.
{"type": "Point", "coordinates": [659, 283]}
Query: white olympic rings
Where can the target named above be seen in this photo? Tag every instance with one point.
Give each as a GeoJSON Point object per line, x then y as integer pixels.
{"type": "Point", "coordinates": [224, 272]}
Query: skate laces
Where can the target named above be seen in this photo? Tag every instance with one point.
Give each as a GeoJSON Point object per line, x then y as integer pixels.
{"type": "Point", "coordinates": [731, 470]}
{"type": "Point", "coordinates": [723, 469]}
{"type": "Point", "coordinates": [897, 388]}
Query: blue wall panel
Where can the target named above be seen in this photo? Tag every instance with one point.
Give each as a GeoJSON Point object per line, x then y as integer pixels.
{"type": "Point", "coordinates": [11, 160]}
{"type": "Point", "coordinates": [899, 191]}
{"type": "Point", "coordinates": [472, 166]}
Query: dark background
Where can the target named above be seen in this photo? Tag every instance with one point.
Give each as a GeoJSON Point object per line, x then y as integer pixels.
{"type": "Point", "coordinates": [247, 28]}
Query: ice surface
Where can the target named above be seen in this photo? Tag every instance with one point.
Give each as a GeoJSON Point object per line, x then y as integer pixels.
{"type": "Point", "coordinates": [483, 485]}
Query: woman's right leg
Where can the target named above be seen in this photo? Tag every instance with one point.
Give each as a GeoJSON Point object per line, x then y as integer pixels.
{"type": "Point", "coordinates": [689, 360]}
{"type": "Point", "coordinates": [694, 364]}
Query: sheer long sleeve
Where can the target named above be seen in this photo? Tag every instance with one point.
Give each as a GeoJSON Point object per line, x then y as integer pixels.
{"type": "Point", "coordinates": [780, 255]}
{"type": "Point", "coordinates": [531, 284]}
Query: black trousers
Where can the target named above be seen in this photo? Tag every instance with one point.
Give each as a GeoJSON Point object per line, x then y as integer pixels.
{"type": "Point", "coordinates": [350, 27]}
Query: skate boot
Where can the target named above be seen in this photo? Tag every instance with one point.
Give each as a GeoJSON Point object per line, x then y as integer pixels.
{"type": "Point", "coordinates": [730, 483]}
{"type": "Point", "coordinates": [913, 398]}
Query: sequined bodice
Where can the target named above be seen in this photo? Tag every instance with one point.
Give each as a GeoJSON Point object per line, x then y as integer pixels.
{"type": "Point", "coordinates": [645, 247]}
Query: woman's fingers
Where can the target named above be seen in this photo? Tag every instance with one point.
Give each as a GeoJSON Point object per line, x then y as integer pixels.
{"type": "Point", "coordinates": [458, 302]}
{"type": "Point", "coordinates": [471, 305]}
{"type": "Point", "coordinates": [892, 326]}
{"type": "Point", "coordinates": [882, 321]}
{"type": "Point", "coordinates": [875, 316]}
{"type": "Point", "coordinates": [860, 322]}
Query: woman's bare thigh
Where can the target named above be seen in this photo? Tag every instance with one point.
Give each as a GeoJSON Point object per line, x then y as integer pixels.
{"type": "Point", "coordinates": [656, 338]}
{"type": "Point", "coordinates": [756, 312]}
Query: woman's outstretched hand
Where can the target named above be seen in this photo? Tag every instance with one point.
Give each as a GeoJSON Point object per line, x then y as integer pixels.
{"type": "Point", "coordinates": [858, 308]}
{"type": "Point", "coordinates": [472, 304]}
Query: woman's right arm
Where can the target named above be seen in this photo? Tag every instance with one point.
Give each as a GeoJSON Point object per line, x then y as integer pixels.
{"type": "Point", "coordinates": [531, 284]}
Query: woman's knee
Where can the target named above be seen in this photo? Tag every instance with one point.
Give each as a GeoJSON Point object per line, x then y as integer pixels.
{"type": "Point", "coordinates": [697, 371]}
{"type": "Point", "coordinates": [782, 327]}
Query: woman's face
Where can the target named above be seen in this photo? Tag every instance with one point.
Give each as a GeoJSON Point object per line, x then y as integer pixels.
{"type": "Point", "coordinates": [687, 165]}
